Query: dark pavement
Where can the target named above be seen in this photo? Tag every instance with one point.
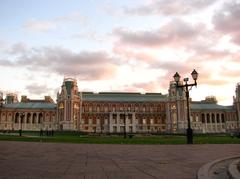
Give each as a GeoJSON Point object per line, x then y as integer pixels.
{"type": "Point", "coordinates": [59, 160]}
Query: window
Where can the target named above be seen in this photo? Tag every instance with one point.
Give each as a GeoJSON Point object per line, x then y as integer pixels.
{"type": "Point", "coordinates": [218, 120]}
{"type": "Point", "coordinates": [164, 121]}
{"type": "Point", "coordinates": [151, 121]}
{"type": "Point", "coordinates": [208, 118]}
{"type": "Point", "coordinates": [94, 120]}
{"type": "Point", "coordinates": [129, 116]}
{"type": "Point", "coordinates": [136, 109]}
{"type": "Point", "coordinates": [114, 121]}
{"type": "Point", "coordinates": [76, 105]}
{"type": "Point", "coordinates": [140, 121]}
{"type": "Point", "coordinates": [144, 109]}
{"type": "Point", "coordinates": [130, 121]}
{"type": "Point", "coordinates": [85, 121]}
{"type": "Point", "coordinates": [115, 129]}
{"type": "Point", "coordinates": [94, 108]}
{"type": "Point", "coordinates": [130, 129]}
{"type": "Point", "coordinates": [223, 119]}
{"type": "Point", "coordinates": [122, 116]}
{"type": "Point", "coordinates": [144, 121]}
{"type": "Point", "coordinates": [196, 118]}
{"type": "Point", "coordinates": [121, 121]}
{"type": "Point", "coordinates": [122, 128]}
{"type": "Point", "coordinates": [203, 118]}
{"type": "Point", "coordinates": [213, 118]}
{"type": "Point", "coordinates": [106, 109]}
{"type": "Point", "coordinates": [106, 121]}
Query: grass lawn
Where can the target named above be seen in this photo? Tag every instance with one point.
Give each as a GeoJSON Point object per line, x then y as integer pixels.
{"type": "Point", "coordinates": [137, 139]}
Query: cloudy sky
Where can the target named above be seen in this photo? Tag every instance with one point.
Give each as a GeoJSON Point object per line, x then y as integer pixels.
{"type": "Point", "coordinates": [112, 45]}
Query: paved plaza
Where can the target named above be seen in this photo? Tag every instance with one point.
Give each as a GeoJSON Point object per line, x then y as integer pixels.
{"type": "Point", "coordinates": [60, 160]}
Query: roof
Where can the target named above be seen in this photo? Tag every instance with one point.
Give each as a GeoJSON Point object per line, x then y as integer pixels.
{"type": "Point", "coordinates": [209, 106]}
{"type": "Point", "coordinates": [29, 105]}
{"type": "Point", "coordinates": [123, 97]}
{"type": "Point", "coordinates": [69, 85]}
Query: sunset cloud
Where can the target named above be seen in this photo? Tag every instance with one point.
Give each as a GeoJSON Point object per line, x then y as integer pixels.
{"type": "Point", "coordinates": [226, 20]}
{"type": "Point", "coordinates": [176, 33]}
{"type": "Point", "coordinates": [85, 65]}
{"type": "Point", "coordinates": [169, 7]}
{"type": "Point", "coordinates": [47, 25]}
{"type": "Point", "coordinates": [123, 46]}
{"type": "Point", "coordinates": [40, 25]}
{"type": "Point", "coordinates": [37, 89]}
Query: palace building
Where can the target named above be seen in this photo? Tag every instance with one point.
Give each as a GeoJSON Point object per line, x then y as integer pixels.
{"type": "Point", "coordinates": [115, 112]}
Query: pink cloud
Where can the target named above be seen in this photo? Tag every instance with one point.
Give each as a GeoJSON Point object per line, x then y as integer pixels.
{"type": "Point", "coordinates": [176, 33]}
{"type": "Point", "coordinates": [169, 7]}
{"type": "Point", "coordinates": [226, 20]}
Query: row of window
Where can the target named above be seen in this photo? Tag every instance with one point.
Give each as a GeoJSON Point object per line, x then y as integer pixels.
{"type": "Point", "coordinates": [213, 118]}
{"type": "Point", "coordinates": [32, 118]}
{"type": "Point", "coordinates": [28, 121]}
{"type": "Point", "coordinates": [87, 108]}
{"type": "Point", "coordinates": [128, 129]}
{"type": "Point", "coordinates": [122, 121]}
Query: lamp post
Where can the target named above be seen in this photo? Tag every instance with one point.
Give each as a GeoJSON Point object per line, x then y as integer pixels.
{"type": "Point", "coordinates": [186, 88]}
{"type": "Point", "coordinates": [21, 119]}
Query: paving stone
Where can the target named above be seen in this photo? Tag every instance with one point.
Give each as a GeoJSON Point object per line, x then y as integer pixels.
{"type": "Point", "coordinates": [94, 161]}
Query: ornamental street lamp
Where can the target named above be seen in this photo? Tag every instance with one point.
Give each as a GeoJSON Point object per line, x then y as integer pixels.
{"type": "Point", "coordinates": [186, 88]}
{"type": "Point", "coordinates": [21, 120]}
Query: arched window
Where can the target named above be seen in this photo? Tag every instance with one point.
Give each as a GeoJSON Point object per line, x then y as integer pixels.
{"type": "Point", "coordinates": [213, 118]}
{"type": "Point", "coordinates": [28, 117]}
{"type": "Point", "coordinates": [191, 118]}
{"type": "Point", "coordinates": [208, 118]}
{"type": "Point", "coordinates": [86, 120]}
{"type": "Point", "coordinates": [223, 118]}
{"type": "Point", "coordinates": [16, 118]}
{"type": "Point", "coordinates": [148, 121]}
{"type": "Point", "coordinates": [34, 118]}
{"type": "Point", "coordinates": [203, 118]}
{"type": "Point", "coordinates": [218, 119]}
{"type": "Point", "coordinates": [40, 118]}
{"type": "Point", "coordinates": [196, 118]}
{"type": "Point", "coordinates": [144, 108]}
{"type": "Point", "coordinates": [140, 121]}
{"type": "Point", "coordinates": [94, 121]}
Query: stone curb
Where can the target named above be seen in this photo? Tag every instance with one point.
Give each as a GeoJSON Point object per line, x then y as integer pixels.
{"type": "Point", "coordinates": [233, 170]}
{"type": "Point", "coordinates": [203, 172]}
